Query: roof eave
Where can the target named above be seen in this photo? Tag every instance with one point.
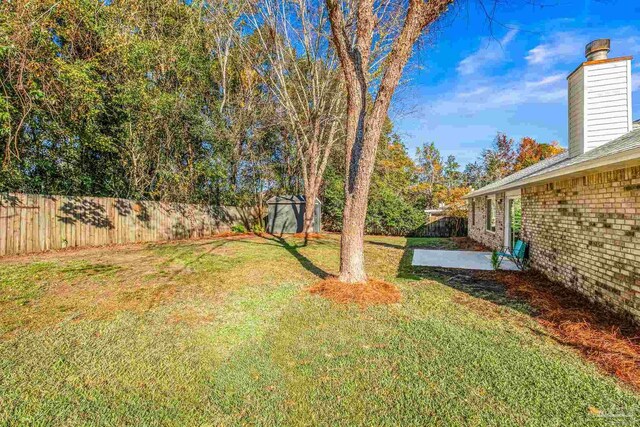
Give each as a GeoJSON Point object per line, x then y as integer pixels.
{"type": "Point", "coordinates": [600, 61]}
{"type": "Point", "coordinates": [618, 159]}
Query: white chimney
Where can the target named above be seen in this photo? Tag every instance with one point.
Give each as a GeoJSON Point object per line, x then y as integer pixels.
{"type": "Point", "coordinates": [599, 99]}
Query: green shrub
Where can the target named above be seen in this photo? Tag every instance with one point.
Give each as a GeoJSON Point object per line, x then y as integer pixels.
{"type": "Point", "coordinates": [333, 201]}
{"type": "Point", "coordinates": [495, 260]}
{"type": "Point", "coordinates": [238, 228]}
{"type": "Point", "coordinates": [390, 213]}
{"type": "Point", "coordinates": [258, 228]}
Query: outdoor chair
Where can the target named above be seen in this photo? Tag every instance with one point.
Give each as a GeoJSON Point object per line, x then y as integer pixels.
{"type": "Point", "coordinates": [516, 255]}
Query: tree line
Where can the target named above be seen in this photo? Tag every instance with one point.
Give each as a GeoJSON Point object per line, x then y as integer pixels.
{"type": "Point", "coordinates": [164, 100]}
{"type": "Point", "coordinates": [161, 100]}
{"type": "Point", "coordinates": [224, 102]}
{"type": "Point", "coordinates": [403, 186]}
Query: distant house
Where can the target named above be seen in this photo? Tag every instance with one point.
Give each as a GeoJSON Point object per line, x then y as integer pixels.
{"type": "Point", "coordinates": [579, 211]}
{"type": "Point", "coordinates": [438, 212]}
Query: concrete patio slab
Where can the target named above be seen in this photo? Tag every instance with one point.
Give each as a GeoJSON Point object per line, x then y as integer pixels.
{"type": "Point", "coordinates": [467, 260]}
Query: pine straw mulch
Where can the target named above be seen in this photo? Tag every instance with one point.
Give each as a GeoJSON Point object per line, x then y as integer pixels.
{"type": "Point", "coordinates": [467, 244]}
{"type": "Point", "coordinates": [371, 292]}
{"type": "Point", "coordinates": [603, 337]}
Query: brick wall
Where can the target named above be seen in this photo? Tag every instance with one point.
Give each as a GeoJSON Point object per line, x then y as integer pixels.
{"type": "Point", "coordinates": [585, 233]}
{"type": "Point", "coordinates": [478, 230]}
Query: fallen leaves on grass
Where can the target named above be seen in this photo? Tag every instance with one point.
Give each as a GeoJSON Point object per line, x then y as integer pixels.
{"type": "Point", "coordinates": [308, 236]}
{"type": "Point", "coordinates": [371, 292]}
{"type": "Point", "coordinates": [607, 339]}
{"type": "Point", "coordinates": [489, 309]}
{"type": "Point", "coordinates": [190, 316]}
{"type": "Point", "coordinates": [233, 235]}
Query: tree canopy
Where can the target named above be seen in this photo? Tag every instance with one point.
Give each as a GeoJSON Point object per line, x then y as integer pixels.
{"type": "Point", "coordinates": [216, 102]}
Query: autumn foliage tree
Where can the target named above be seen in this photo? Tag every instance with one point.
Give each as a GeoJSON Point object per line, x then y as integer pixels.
{"type": "Point", "coordinates": [498, 160]}
{"type": "Point", "coordinates": [531, 152]}
{"type": "Point", "coordinates": [503, 159]}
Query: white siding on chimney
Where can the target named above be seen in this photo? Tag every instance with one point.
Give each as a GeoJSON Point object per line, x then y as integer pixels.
{"type": "Point", "coordinates": [607, 102]}
{"type": "Point", "coordinates": [576, 113]}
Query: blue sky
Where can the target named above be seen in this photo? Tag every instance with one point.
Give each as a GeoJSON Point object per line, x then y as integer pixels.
{"type": "Point", "coordinates": [472, 82]}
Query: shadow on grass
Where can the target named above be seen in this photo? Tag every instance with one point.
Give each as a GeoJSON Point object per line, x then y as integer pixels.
{"type": "Point", "coordinates": [385, 245]}
{"type": "Point", "coordinates": [420, 242]}
{"type": "Point", "coordinates": [293, 250]}
{"type": "Point", "coordinates": [187, 254]}
{"type": "Point", "coordinates": [197, 259]}
{"type": "Point", "coordinates": [91, 269]}
{"type": "Point", "coordinates": [459, 279]}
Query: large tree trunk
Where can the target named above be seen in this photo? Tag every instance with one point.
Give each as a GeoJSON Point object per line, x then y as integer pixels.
{"type": "Point", "coordinates": [352, 243]}
{"type": "Point", "coordinates": [310, 195]}
{"type": "Point", "coordinates": [364, 125]}
{"type": "Point", "coordinates": [352, 269]}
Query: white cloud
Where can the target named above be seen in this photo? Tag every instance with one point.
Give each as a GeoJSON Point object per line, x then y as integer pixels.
{"type": "Point", "coordinates": [564, 47]}
{"type": "Point", "coordinates": [500, 93]}
{"type": "Point", "coordinates": [542, 79]}
{"type": "Point", "coordinates": [493, 52]}
{"type": "Point", "coordinates": [546, 81]}
{"type": "Point", "coordinates": [526, 85]}
{"type": "Point", "coordinates": [548, 96]}
{"type": "Point", "coordinates": [473, 92]}
{"type": "Point", "coordinates": [520, 94]}
{"type": "Point", "coordinates": [497, 98]}
{"type": "Point", "coordinates": [526, 95]}
{"type": "Point", "coordinates": [626, 46]}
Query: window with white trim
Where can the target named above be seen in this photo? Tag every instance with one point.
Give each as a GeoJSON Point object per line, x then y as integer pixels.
{"type": "Point", "coordinates": [473, 212]}
{"type": "Point", "coordinates": [491, 214]}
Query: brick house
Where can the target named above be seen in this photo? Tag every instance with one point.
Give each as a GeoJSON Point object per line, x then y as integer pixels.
{"type": "Point", "coordinates": [579, 211]}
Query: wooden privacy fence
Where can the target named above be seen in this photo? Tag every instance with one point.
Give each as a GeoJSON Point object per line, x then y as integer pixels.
{"type": "Point", "coordinates": [33, 223]}
{"type": "Point", "coordinates": [447, 226]}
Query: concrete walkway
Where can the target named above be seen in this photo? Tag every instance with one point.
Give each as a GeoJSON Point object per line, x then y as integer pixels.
{"type": "Point", "coordinates": [467, 260]}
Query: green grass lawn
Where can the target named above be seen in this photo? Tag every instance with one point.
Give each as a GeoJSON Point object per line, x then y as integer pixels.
{"type": "Point", "coordinates": [222, 332]}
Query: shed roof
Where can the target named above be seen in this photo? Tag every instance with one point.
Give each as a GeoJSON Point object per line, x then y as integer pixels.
{"type": "Point", "coordinates": [288, 200]}
{"type": "Point", "coordinates": [624, 148]}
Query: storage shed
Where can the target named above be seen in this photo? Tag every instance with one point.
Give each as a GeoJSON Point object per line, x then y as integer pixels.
{"type": "Point", "coordinates": [286, 214]}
